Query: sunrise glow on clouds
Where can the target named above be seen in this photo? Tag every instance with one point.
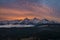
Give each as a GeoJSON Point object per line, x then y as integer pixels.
{"type": "Point", "coordinates": [20, 9]}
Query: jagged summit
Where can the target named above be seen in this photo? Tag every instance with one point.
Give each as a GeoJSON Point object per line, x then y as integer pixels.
{"type": "Point", "coordinates": [35, 18]}
{"type": "Point", "coordinates": [28, 21]}
{"type": "Point", "coordinates": [45, 19]}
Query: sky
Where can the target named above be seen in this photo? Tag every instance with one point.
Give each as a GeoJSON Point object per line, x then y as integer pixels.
{"type": "Point", "coordinates": [20, 9]}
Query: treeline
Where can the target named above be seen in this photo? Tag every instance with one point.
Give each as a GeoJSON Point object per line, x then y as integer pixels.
{"type": "Point", "coordinates": [42, 33]}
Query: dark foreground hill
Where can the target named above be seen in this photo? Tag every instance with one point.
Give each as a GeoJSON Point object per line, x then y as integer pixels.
{"type": "Point", "coordinates": [43, 32]}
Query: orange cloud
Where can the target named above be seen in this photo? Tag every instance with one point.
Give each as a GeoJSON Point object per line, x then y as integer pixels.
{"type": "Point", "coordinates": [41, 11]}
{"type": "Point", "coordinates": [13, 11]}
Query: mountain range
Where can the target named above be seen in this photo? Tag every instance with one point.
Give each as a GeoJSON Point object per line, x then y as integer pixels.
{"type": "Point", "coordinates": [27, 21]}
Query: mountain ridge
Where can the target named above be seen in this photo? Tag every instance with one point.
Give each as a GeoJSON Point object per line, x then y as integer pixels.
{"type": "Point", "coordinates": [28, 21]}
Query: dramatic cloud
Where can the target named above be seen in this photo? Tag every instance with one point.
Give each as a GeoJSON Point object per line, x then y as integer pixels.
{"type": "Point", "coordinates": [20, 9]}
